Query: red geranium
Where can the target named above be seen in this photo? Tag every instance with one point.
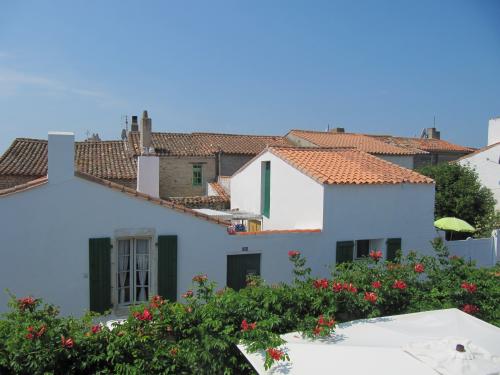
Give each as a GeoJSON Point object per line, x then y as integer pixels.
{"type": "Point", "coordinates": [41, 331]}
{"type": "Point", "coordinates": [67, 342]}
{"type": "Point", "coordinates": [376, 255]}
{"type": "Point", "coordinates": [145, 315]}
{"type": "Point", "coordinates": [350, 288]}
{"type": "Point", "coordinates": [245, 326]}
{"type": "Point", "coordinates": [293, 253]}
{"type": "Point", "coordinates": [399, 284]}
{"type": "Point", "coordinates": [470, 287]}
{"type": "Point", "coordinates": [470, 309]}
{"type": "Point", "coordinates": [376, 284]}
{"type": "Point", "coordinates": [26, 303]}
{"type": "Point", "coordinates": [419, 268]}
{"type": "Point", "coordinates": [96, 328]}
{"type": "Point", "coordinates": [156, 302]}
{"type": "Point", "coordinates": [317, 330]}
{"type": "Point", "coordinates": [321, 283]}
{"type": "Point", "coordinates": [275, 354]}
{"type": "Point", "coordinates": [371, 297]}
{"type": "Point", "coordinates": [188, 294]}
{"type": "Point", "coordinates": [200, 278]}
{"type": "Point", "coordinates": [337, 287]}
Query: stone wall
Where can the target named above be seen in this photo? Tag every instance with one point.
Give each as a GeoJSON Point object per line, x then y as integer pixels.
{"type": "Point", "coordinates": [435, 158]}
{"type": "Point", "coordinates": [176, 175]}
{"type": "Point", "coordinates": [231, 163]}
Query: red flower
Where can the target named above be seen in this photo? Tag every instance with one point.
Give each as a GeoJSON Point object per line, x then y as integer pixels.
{"type": "Point", "coordinates": [145, 315]}
{"type": "Point", "coordinates": [67, 343]}
{"type": "Point", "coordinates": [376, 255]}
{"type": "Point", "coordinates": [173, 352]}
{"type": "Point", "coordinates": [26, 303]}
{"type": "Point", "coordinates": [419, 268]}
{"type": "Point", "coordinates": [156, 302]}
{"type": "Point", "coordinates": [371, 297]}
{"type": "Point", "coordinates": [337, 287]}
{"type": "Point", "coordinates": [470, 287]}
{"type": "Point", "coordinates": [322, 322]}
{"type": "Point", "coordinates": [29, 336]}
{"type": "Point", "coordinates": [200, 278]}
{"type": "Point", "coordinates": [317, 330]}
{"type": "Point", "coordinates": [41, 331]}
{"type": "Point", "coordinates": [470, 309]}
{"type": "Point", "coordinates": [275, 354]}
{"type": "Point", "coordinates": [293, 253]}
{"type": "Point", "coordinates": [188, 294]}
{"type": "Point", "coordinates": [376, 284]}
{"type": "Point", "coordinates": [245, 326]}
{"type": "Point", "coordinates": [96, 328]}
{"type": "Point", "coordinates": [350, 288]}
{"type": "Point", "coordinates": [399, 284]}
{"type": "Point", "coordinates": [321, 284]}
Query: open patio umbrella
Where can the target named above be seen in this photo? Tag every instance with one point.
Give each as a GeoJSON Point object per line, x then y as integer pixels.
{"type": "Point", "coordinates": [454, 224]}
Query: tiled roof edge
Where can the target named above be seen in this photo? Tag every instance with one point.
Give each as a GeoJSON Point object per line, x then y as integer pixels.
{"type": "Point", "coordinates": [23, 187]}
{"type": "Point", "coordinates": [478, 151]}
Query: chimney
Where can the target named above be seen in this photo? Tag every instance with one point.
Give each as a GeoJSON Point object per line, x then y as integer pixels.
{"type": "Point", "coordinates": [145, 138]}
{"type": "Point", "coordinates": [61, 165]}
{"type": "Point", "coordinates": [432, 133]}
{"type": "Point", "coordinates": [493, 131]}
{"type": "Point", "coordinates": [148, 175]}
{"type": "Point", "coordinates": [337, 130]}
{"type": "Point", "coordinates": [134, 127]}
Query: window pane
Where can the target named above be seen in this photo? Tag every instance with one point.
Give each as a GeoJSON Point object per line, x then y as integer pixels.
{"type": "Point", "coordinates": [197, 175]}
{"type": "Point", "coordinates": [362, 248]}
{"type": "Point", "coordinates": [123, 271]}
{"type": "Point", "coordinates": [142, 269]}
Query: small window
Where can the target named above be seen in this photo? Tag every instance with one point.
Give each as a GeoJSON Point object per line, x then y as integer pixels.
{"type": "Point", "coordinates": [362, 248]}
{"type": "Point", "coordinates": [197, 176]}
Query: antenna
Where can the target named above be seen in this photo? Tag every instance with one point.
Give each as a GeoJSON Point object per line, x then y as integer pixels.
{"type": "Point", "coordinates": [434, 121]}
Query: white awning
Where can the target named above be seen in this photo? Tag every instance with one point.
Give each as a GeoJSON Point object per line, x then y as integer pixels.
{"type": "Point", "coordinates": [377, 346]}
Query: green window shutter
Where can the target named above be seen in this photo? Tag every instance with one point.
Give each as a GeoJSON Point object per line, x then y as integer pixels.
{"type": "Point", "coordinates": [239, 267]}
{"type": "Point", "coordinates": [266, 203]}
{"type": "Point", "coordinates": [100, 274]}
{"type": "Point", "coordinates": [393, 245]}
{"type": "Point", "coordinates": [345, 251]}
{"type": "Point", "coordinates": [167, 267]}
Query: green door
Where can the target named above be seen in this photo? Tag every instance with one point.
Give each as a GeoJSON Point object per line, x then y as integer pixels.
{"type": "Point", "coordinates": [167, 267]}
{"type": "Point", "coordinates": [345, 251]}
{"type": "Point", "coordinates": [393, 245]}
{"type": "Point", "coordinates": [100, 274]}
{"type": "Point", "coordinates": [241, 266]}
{"type": "Point", "coordinates": [266, 189]}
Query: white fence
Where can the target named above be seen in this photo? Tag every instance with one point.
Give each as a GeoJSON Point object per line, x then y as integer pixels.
{"type": "Point", "coordinates": [484, 251]}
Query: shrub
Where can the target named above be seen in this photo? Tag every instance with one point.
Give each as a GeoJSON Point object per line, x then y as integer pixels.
{"type": "Point", "coordinates": [200, 334]}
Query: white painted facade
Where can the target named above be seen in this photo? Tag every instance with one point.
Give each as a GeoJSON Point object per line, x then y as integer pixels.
{"type": "Point", "coordinates": [148, 175]}
{"type": "Point", "coordinates": [487, 165]}
{"type": "Point", "coordinates": [45, 230]}
{"type": "Point", "coordinates": [296, 199]}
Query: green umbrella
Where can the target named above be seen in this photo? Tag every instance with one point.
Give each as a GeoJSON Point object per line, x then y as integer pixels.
{"type": "Point", "coordinates": [454, 224]}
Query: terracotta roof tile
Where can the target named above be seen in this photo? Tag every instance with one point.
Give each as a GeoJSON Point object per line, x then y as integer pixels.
{"type": "Point", "coordinates": [426, 144]}
{"type": "Point", "coordinates": [28, 185]}
{"type": "Point", "coordinates": [204, 201]}
{"type": "Point", "coordinates": [350, 140]}
{"type": "Point", "coordinates": [330, 166]}
{"type": "Point", "coordinates": [104, 159]}
{"type": "Point", "coordinates": [219, 189]}
{"type": "Point", "coordinates": [207, 144]}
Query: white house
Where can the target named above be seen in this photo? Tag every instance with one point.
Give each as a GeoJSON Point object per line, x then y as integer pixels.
{"type": "Point", "coordinates": [486, 161]}
{"type": "Point", "coordinates": [82, 242]}
{"type": "Point", "coordinates": [357, 200]}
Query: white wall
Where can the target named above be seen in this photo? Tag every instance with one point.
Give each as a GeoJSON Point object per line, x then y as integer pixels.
{"type": "Point", "coordinates": [355, 212]}
{"type": "Point", "coordinates": [296, 199]}
{"type": "Point", "coordinates": [148, 175]}
{"type": "Point", "coordinates": [482, 250]}
{"type": "Point", "coordinates": [403, 161]}
{"type": "Point", "coordinates": [487, 166]}
{"type": "Point", "coordinates": [494, 131]}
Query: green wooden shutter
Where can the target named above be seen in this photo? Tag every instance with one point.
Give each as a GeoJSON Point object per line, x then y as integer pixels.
{"type": "Point", "coordinates": [393, 245]}
{"type": "Point", "coordinates": [100, 274]}
{"type": "Point", "coordinates": [239, 267]}
{"type": "Point", "coordinates": [266, 207]}
{"type": "Point", "coordinates": [345, 251]}
{"type": "Point", "coordinates": [167, 267]}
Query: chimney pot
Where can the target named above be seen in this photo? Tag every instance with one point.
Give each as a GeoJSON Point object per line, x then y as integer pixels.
{"type": "Point", "coordinates": [433, 133]}
{"type": "Point", "coordinates": [145, 137]}
{"type": "Point", "coordinates": [134, 127]}
{"type": "Point", "coordinates": [337, 130]}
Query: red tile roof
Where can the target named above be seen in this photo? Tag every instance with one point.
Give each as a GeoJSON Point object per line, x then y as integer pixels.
{"type": "Point", "coordinates": [23, 187]}
{"type": "Point", "coordinates": [426, 144]}
{"type": "Point", "coordinates": [219, 189]}
{"type": "Point", "coordinates": [350, 140]}
{"type": "Point", "coordinates": [331, 166]}
{"type": "Point", "coordinates": [207, 144]}
{"type": "Point", "coordinates": [104, 159]}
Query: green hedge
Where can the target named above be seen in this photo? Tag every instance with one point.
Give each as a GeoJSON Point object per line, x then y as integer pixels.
{"type": "Point", "coordinates": [199, 335]}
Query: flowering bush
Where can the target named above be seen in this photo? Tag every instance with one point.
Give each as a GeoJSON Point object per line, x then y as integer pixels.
{"type": "Point", "coordinates": [199, 334]}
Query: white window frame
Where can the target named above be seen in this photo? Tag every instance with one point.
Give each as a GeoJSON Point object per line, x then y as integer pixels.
{"type": "Point", "coordinates": [133, 234]}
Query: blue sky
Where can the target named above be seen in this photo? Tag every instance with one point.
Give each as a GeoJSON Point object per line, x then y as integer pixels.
{"type": "Point", "coordinates": [384, 67]}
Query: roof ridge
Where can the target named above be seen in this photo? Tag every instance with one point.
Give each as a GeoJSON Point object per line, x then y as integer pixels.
{"type": "Point", "coordinates": [478, 151]}
{"type": "Point", "coordinates": [23, 187]}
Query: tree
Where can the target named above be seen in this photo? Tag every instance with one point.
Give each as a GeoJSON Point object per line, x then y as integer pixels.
{"type": "Point", "coordinates": [459, 193]}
